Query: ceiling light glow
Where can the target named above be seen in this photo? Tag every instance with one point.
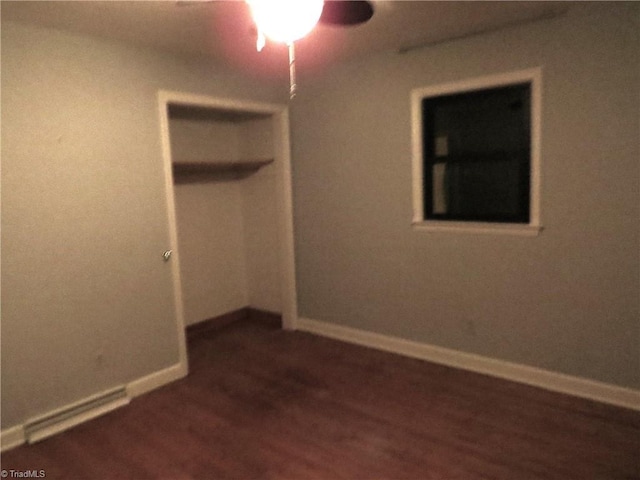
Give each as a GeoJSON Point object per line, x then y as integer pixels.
{"type": "Point", "coordinates": [286, 21]}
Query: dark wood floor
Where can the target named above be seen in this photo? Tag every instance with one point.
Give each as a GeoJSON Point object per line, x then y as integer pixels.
{"type": "Point", "coordinates": [264, 403]}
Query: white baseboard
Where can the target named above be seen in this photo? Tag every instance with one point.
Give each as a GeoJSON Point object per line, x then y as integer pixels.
{"type": "Point", "coordinates": [11, 438]}
{"type": "Point", "coordinates": [156, 380]}
{"type": "Point", "coordinates": [15, 436]}
{"type": "Point", "coordinates": [557, 382]}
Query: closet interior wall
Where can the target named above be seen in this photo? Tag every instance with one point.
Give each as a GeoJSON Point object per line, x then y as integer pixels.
{"type": "Point", "coordinates": [226, 217]}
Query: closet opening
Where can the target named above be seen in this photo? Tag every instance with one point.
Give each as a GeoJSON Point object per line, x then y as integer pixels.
{"type": "Point", "coordinates": [228, 173]}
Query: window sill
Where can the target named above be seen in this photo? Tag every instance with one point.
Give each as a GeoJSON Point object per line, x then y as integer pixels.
{"type": "Point", "coordinates": [435, 226]}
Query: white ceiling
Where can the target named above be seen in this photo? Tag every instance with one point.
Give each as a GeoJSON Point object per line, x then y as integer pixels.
{"type": "Point", "coordinates": [224, 30]}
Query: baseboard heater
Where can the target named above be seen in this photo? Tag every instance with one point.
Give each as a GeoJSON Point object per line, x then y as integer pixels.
{"type": "Point", "coordinates": [59, 420]}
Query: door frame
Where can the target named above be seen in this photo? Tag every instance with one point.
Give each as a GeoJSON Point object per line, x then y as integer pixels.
{"type": "Point", "coordinates": [282, 162]}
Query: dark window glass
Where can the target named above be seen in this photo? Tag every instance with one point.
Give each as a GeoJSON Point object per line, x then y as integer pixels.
{"type": "Point", "coordinates": [477, 155]}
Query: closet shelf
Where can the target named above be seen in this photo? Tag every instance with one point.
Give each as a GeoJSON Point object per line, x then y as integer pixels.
{"type": "Point", "coordinates": [213, 167]}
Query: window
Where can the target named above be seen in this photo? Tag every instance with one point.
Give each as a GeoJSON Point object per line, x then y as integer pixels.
{"type": "Point", "coordinates": [476, 154]}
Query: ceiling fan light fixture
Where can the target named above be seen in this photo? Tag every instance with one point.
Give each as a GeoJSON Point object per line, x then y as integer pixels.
{"type": "Point", "coordinates": [286, 21]}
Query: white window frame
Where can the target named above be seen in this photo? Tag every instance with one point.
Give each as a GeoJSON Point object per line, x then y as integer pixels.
{"type": "Point", "coordinates": [532, 76]}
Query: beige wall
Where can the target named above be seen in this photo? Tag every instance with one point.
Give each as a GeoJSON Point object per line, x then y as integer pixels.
{"type": "Point", "coordinates": [262, 240]}
{"type": "Point", "coordinates": [567, 300]}
{"type": "Point", "coordinates": [87, 301]}
{"type": "Point", "coordinates": [199, 140]}
{"type": "Point", "coordinates": [211, 244]}
{"type": "Point", "coordinates": [261, 227]}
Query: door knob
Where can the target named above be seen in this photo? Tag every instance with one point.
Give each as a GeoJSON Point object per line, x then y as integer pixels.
{"type": "Point", "coordinates": [167, 255]}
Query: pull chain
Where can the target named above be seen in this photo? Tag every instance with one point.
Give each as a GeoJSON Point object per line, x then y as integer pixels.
{"type": "Point", "coordinates": [292, 71]}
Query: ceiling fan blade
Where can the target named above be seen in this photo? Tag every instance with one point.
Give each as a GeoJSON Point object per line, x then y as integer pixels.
{"type": "Point", "coordinates": [346, 12]}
